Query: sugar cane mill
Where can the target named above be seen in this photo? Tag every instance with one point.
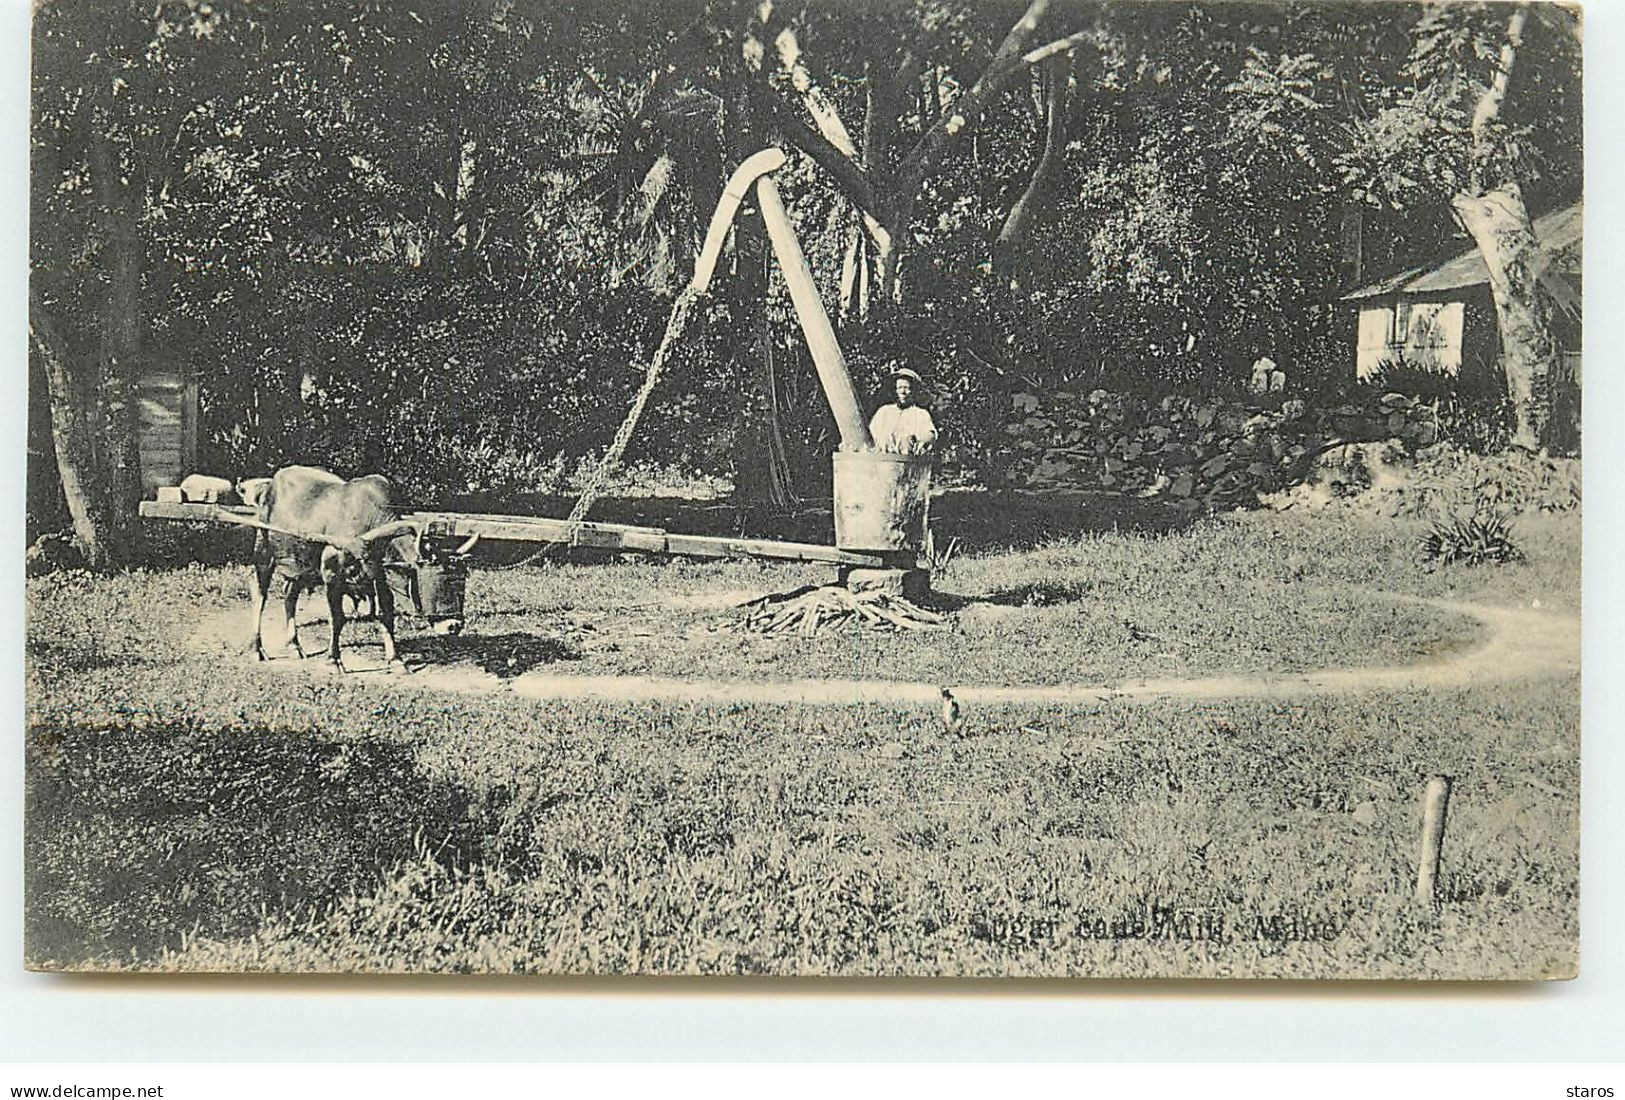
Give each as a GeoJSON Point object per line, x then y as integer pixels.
{"type": "Point", "coordinates": [880, 506]}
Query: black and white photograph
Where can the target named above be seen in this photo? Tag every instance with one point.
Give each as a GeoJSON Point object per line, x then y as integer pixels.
{"type": "Point", "coordinates": [804, 488]}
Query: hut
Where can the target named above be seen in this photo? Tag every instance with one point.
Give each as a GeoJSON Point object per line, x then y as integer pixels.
{"type": "Point", "coordinates": [167, 405]}
{"type": "Point", "coordinates": [1440, 317]}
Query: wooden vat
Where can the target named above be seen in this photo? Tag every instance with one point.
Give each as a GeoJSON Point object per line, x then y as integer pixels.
{"type": "Point", "coordinates": [881, 500]}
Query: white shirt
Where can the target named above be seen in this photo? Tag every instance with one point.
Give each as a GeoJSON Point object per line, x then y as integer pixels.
{"type": "Point", "coordinates": [904, 431]}
{"type": "Point", "coordinates": [1263, 370]}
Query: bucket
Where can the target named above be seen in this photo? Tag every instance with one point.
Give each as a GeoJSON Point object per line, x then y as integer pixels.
{"type": "Point", "coordinates": [431, 590]}
{"type": "Point", "coordinates": [440, 590]}
{"type": "Point", "coordinates": [881, 500]}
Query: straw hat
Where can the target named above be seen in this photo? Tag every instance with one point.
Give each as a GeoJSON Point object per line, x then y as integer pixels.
{"type": "Point", "coordinates": [904, 372]}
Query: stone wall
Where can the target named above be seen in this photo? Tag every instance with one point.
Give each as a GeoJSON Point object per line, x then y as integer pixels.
{"type": "Point", "coordinates": [1197, 452]}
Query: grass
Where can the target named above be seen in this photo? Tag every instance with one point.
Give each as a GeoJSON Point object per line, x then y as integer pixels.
{"type": "Point", "coordinates": [1249, 594]}
{"type": "Point", "coordinates": [190, 812]}
{"type": "Point", "coordinates": [854, 841]}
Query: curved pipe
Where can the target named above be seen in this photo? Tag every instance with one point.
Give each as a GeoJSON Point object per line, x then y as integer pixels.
{"type": "Point", "coordinates": [749, 171]}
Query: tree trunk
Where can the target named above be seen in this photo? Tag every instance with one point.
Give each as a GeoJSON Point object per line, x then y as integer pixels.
{"type": "Point", "coordinates": [1018, 224]}
{"type": "Point", "coordinates": [73, 411]}
{"type": "Point", "coordinates": [1499, 223]}
{"type": "Point", "coordinates": [451, 184]}
{"type": "Point", "coordinates": [277, 377]}
{"type": "Point", "coordinates": [870, 280]}
{"type": "Point", "coordinates": [889, 253]}
{"type": "Point", "coordinates": [119, 345]}
{"type": "Point", "coordinates": [761, 464]}
{"type": "Point", "coordinates": [302, 375]}
{"type": "Point", "coordinates": [855, 273]}
{"type": "Point", "coordinates": [761, 461]}
{"type": "Point", "coordinates": [1492, 210]}
{"type": "Point", "coordinates": [451, 175]}
{"type": "Point", "coordinates": [780, 489]}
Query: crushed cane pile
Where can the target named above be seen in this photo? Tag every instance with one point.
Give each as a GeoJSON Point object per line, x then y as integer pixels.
{"type": "Point", "coordinates": [807, 611]}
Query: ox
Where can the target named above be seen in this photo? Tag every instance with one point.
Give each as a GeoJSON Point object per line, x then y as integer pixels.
{"type": "Point", "coordinates": [347, 537]}
{"type": "Point", "coordinates": [251, 490]}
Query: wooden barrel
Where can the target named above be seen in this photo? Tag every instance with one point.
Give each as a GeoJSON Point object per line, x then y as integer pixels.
{"type": "Point", "coordinates": [881, 500]}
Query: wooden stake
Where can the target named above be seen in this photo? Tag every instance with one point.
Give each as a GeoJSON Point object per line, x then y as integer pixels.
{"type": "Point", "coordinates": [1435, 804]}
{"type": "Point", "coordinates": [826, 350]}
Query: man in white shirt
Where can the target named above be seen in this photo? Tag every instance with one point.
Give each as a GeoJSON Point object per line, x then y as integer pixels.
{"type": "Point", "coordinates": [1263, 367]}
{"type": "Point", "coordinates": [1267, 377]}
{"type": "Point", "coordinates": [903, 427]}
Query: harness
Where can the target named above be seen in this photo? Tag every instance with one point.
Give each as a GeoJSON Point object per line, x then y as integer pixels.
{"type": "Point", "coordinates": [430, 589]}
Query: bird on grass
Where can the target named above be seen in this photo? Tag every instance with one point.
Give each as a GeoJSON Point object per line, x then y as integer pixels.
{"type": "Point", "coordinates": [953, 717]}
{"type": "Point", "coordinates": [1137, 634]}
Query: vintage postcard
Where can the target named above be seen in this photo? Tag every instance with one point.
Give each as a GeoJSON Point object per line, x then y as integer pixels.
{"type": "Point", "coordinates": [930, 487]}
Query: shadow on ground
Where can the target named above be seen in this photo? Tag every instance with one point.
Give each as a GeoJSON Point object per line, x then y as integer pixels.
{"type": "Point", "coordinates": [136, 839]}
{"type": "Point", "coordinates": [500, 655]}
{"type": "Point", "coordinates": [1043, 593]}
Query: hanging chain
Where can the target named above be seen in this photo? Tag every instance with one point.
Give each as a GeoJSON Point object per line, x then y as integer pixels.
{"type": "Point", "coordinates": [599, 478]}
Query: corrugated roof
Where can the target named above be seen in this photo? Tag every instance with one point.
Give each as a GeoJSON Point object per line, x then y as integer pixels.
{"type": "Point", "coordinates": [1559, 231]}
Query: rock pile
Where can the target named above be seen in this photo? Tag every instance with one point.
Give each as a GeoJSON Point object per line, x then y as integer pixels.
{"type": "Point", "coordinates": [1207, 452]}
{"type": "Point", "coordinates": [1436, 482]}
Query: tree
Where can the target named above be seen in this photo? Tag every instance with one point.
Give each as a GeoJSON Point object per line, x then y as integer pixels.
{"type": "Point", "coordinates": [920, 99]}
{"type": "Point", "coordinates": [441, 239]}
{"type": "Point", "coordinates": [86, 297]}
{"type": "Point", "coordinates": [747, 62]}
{"type": "Point", "coordinates": [1451, 131]}
{"type": "Point", "coordinates": [74, 414]}
{"type": "Point", "coordinates": [1491, 208]}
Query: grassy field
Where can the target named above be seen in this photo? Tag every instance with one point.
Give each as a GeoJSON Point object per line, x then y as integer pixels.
{"type": "Point", "coordinates": [189, 809]}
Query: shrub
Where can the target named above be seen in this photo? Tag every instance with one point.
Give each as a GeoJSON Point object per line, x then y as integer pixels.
{"type": "Point", "coordinates": [501, 468]}
{"type": "Point", "coordinates": [1399, 375]}
{"type": "Point", "coordinates": [1471, 408]}
{"type": "Point", "coordinates": [1483, 538]}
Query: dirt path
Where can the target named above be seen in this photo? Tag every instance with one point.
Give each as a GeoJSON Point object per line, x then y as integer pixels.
{"type": "Point", "coordinates": [1520, 644]}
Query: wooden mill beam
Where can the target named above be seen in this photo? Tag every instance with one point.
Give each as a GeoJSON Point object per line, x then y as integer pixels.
{"type": "Point", "coordinates": [542, 529]}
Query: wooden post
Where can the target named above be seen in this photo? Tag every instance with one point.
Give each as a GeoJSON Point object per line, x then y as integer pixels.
{"type": "Point", "coordinates": [1435, 804]}
{"type": "Point", "coordinates": [189, 410]}
{"type": "Point", "coordinates": [826, 350]}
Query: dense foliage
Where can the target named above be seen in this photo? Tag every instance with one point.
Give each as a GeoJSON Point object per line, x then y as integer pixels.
{"type": "Point", "coordinates": [442, 238]}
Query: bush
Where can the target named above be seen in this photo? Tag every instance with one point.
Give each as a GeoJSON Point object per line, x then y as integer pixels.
{"type": "Point", "coordinates": [1483, 538]}
{"type": "Point", "coordinates": [500, 469]}
{"type": "Point", "coordinates": [1478, 425]}
{"type": "Point", "coordinates": [1472, 409]}
{"type": "Point", "coordinates": [1397, 375]}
